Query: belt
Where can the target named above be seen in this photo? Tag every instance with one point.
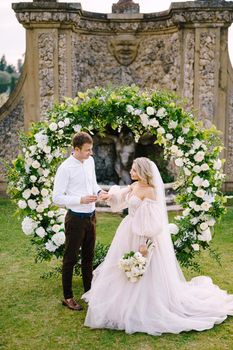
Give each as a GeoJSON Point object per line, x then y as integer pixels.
{"type": "Point", "coordinates": [81, 215]}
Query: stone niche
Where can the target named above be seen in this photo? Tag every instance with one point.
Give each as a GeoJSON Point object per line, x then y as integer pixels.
{"type": "Point", "coordinates": [183, 49]}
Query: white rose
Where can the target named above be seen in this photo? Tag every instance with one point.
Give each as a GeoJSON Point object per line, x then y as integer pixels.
{"type": "Point", "coordinates": [179, 153]}
{"type": "Point", "coordinates": [195, 246]}
{"type": "Point", "coordinates": [197, 169]}
{"type": "Point", "coordinates": [45, 172]}
{"type": "Point", "coordinates": [40, 208]}
{"type": "Point", "coordinates": [169, 136]}
{"type": "Point", "coordinates": [44, 192]}
{"type": "Point", "coordinates": [180, 140]}
{"type": "Point", "coordinates": [172, 124]}
{"type": "Point", "coordinates": [192, 204]}
{"type": "Point", "coordinates": [200, 193]}
{"type": "Point", "coordinates": [33, 178]}
{"type": "Point", "coordinates": [67, 121]}
{"type": "Point", "coordinates": [194, 220]}
{"type": "Point", "coordinates": [187, 171]}
{"type": "Point", "coordinates": [22, 204]}
{"type": "Point", "coordinates": [144, 119]}
{"type": "Point", "coordinates": [61, 124]}
{"type": "Point", "coordinates": [205, 206]}
{"type": "Point", "coordinates": [26, 193]}
{"type": "Point", "coordinates": [47, 149]}
{"type": "Point", "coordinates": [53, 126]}
{"type": "Point", "coordinates": [185, 130]}
{"type": "Point", "coordinates": [211, 221]}
{"type": "Point", "coordinates": [209, 197]}
{"type": "Point", "coordinates": [205, 236]}
{"type": "Point", "coordinates": [197, 181]}
{"type": "Point", "coordinates": [77, 128]}
{"type": "Point", "coordinates": [205, 183]}
{"type": "Point", "coordinates": [56, 228]}
{"type": "Point", "coordinates": [174, 149]}
{"type": "Point", "coordinates": [199, 156]}
{"type": "Point", "coordinates": [35, 164]}
{"type": "Point", "coordinates": [160, 130]}
{"type": "Point", "coordinates": [50, 246]}
{"type": "Point", "coordinates": [32, 204]}
{"type": "Point", "coordinates": [28, 225]}
{"type": "Point", "coordinates": [50, 214]}
{"type": "Point", "coordinates": [150, 110]}
{"type": "Point", "coordinates": [204, 226]}
{"type": "Point", "coordinates": [153, 122]}
{"type": "Point", "coordinates": [189, 189]}
{"type": "Point", "coordinates": [197, 208]}
{"type": "Point", "coordinates": [58, 238]}
{"type": "Point", "coordinates": [137, 111]}
{"type": "Point", "coordinates": [179, 162]}
{"type": "Point", "coordinates": [29, 161]}
{"type": "Point", "coordinates": [217, 164]}
{"type": "Point", "coordinates": [35, 191]}
{"type": "Point", "coordinates": [186, 212]}
{"type": "Point", "coordinates": [197, 144]}
{"type": "Point", "coordinates": [205, 167]}
{"type": "Point", "coordinates": [161, 112]}
{"type": "Point", "coordinates": [173, 229]}
{"type": "Point", "coordinates": [40, 231]}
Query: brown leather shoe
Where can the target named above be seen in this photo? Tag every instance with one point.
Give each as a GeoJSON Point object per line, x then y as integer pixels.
{"type": "Point", "coordinates": [72, 304]}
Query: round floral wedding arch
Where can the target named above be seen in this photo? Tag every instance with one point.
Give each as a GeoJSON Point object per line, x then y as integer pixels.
{"type": "Point", "coordinates": [194, 149]}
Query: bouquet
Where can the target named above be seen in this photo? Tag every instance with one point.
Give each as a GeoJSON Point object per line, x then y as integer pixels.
{"type": "Point", "coordinates": [134, 264]}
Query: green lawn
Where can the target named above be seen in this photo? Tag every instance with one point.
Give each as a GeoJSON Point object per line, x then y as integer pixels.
{"type": "Point", "coordinates": [32, 317]}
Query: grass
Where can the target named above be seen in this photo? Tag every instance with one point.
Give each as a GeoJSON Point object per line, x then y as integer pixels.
{"type": "Point", "coordinates": [32, 317]}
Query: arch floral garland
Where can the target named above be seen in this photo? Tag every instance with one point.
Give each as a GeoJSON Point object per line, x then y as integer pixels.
{"type": "Point", "coordinates": [194, 149]}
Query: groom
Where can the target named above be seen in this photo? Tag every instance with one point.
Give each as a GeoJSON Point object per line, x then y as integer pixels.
{"type": "Point", "coordinates": [75, 187]}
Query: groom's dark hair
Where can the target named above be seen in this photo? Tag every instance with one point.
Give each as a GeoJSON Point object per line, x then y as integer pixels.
{"type": "Point", "coordinates": [80, 138]}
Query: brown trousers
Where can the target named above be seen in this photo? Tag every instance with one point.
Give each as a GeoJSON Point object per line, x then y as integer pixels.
{"type": "Point", "coordinates": [80, 233]}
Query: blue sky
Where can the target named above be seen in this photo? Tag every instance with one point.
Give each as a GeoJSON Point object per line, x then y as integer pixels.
{"type": "Point", "coordinates": [12, 42]}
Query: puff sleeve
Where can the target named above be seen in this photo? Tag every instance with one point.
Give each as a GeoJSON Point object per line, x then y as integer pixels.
{"type": "Point", "coordinates": [147, 219]}
{"type": "Point", "coordinates": [118, 201]}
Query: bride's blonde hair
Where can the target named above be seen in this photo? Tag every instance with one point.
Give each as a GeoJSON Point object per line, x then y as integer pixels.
{"type": "Point", "coordinates": [143, 169]}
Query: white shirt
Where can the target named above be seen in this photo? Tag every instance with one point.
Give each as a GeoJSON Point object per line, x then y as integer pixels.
{"type": "Point", "coordinates": [73, 180]}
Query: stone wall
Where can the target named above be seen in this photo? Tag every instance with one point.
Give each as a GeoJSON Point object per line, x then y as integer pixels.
{"type": "Point", "coordinates": [183, 49]}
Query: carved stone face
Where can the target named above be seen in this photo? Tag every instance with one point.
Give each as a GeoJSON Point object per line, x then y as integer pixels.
{"type": "Point", "coordinates": [124, 47]}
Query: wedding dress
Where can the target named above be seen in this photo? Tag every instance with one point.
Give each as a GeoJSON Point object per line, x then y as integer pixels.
{"type": "Point", "coordinates": [161, 301]}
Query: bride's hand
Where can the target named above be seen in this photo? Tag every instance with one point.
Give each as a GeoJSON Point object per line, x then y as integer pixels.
{"type": "Point", "coordinates": [104, 196]}
{"type": "Point", "coordinates": [143, 250]}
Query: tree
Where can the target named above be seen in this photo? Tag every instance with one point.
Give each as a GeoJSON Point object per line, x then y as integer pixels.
{"type": "Point", "coordinates": [5, 81]}
{"type": "Point", "coordinates": [3, 63]}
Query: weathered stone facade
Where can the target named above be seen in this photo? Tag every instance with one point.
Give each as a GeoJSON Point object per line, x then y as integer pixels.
{"type": "Point", "coordinates": [183, 49]}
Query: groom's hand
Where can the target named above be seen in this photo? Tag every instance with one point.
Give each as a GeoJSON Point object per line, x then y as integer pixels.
{"type": "Point", "coordinates": [88, 199]}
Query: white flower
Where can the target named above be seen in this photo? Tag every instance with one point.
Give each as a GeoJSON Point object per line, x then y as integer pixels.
{"type": "Point", "coordinates": [144, 119]}
{"type": "Point", "coordinates": [185, 129]}
{"type": "Point", "coordinates": [77, 128]}
{"type": "Point", "coordinates": [173, 229]}
{"type": "Point", "coordinates": [217, 164]}
{"type": "Point", "coordinates": [174, 149]}
{"type": "Point", "coordinates": [197, 181]}
{"type": "Point", "coordinates": [22, 204]}
{"type": "Point", "coordinates": [187, 171]}
{"type": "Point", "coordinates": [169, 136]}
{"type": "Point", "coordinates": [46, 149]}
{"type": "Point", "coordinates": [205, 206]}
{"type": "Point", "coordinates": [199, 156]}
{"type": "Point", "coordinates": [28, 225]}
{"type": "Point", "coordinates": [179, 153]}
{"type": "Point", "coordinates": [137, 111]}
{"type": "Point", "coordinates": [194, 220]}
{"type": "Point", "coordinates": [41, 139]}
{"type": "Point", "coordinates": [192, 204]}
{"type": "Point", "coordinates": [50, 246]}
{"type": "Point", "coordinates": [186, 212]}
{"type": "Point", "coordinates": [172, 124]}
{"type": "Point", "coordinates": [197, 169]}
{"type": "Point", "coordinates": [204, 226]}
{"type": "Point", "coordinates": [197, 208]}
{"type": "Point", "coordinates": [33, 178]}
{"type": "Point", "coordinates": [209, 197]}
{"type": "Point", "coordinates": [160, 130]}
{"type": "Point", "coordinates": [195, 246]}
{"type": "Point", "coordinates": [61, 124]}
{"type": "Point", "coordinates": [35, 191]}
{"type": "Point", "coordinates": [211, 221]}
{"type": "Point", "coordinates": [153, 122]}
{"type": "Point", "coordinates": [205, 167]}
{"type": "Point", "coordinates": [40, 208]}
{"type": "Point", "coordinates": [67, 121]}
{"type": "Point", "coordinates": [50, 214]}
{"type": "Point", "coordinates": [205, 183]}
{"type": "Point", "coordinates": [189, 189]}
{"type": "Point", "coordinates": [35, 164]}
{"type": "Point", "coordinates": [205, 236]}
{"type": "Point", "coordinates": [44, 192]}
{"type": "Point", "coordinates": [130, 109]}
{"type": "Point", "coordinates": [56, 228]}
{"type": "Point", "coordinates": [161, 112]}
{"type": "Point", "coordinates": [26, 193]}
{"type": "Point", "coordinates": [58, 238]}
{"type": "Point", "coordinates": [197, 144]}
{"type": "Point", "coordinates": [179, 162]}
{"type": "Point", "coordinates": [150, 110]}
{"type": "Point", "coordinates": [200, 193]}
{"type": "Point", "coordinates": [29, 161]}
{"type": "Point", "coordinates": [32, 204]}
{"type": "Point", "coordinates": [53, 126]}
{"type": "Point", "coordinates": [40, 231]}
{"type": "Point", "coordinates": [46, 172]}
{"type": "Point", "coordinates": [180, 140]}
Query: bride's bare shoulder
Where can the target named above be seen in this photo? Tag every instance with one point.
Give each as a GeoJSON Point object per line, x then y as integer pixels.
{"type": "Point", "coordinates": [149, 192]}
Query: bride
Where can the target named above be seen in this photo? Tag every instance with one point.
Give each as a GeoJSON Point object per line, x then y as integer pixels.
{"type": "Point", "coordinates": [161, 301]}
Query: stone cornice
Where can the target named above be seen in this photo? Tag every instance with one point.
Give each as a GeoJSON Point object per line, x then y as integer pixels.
{"type": "Point", "coordinates": [212, 13]}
